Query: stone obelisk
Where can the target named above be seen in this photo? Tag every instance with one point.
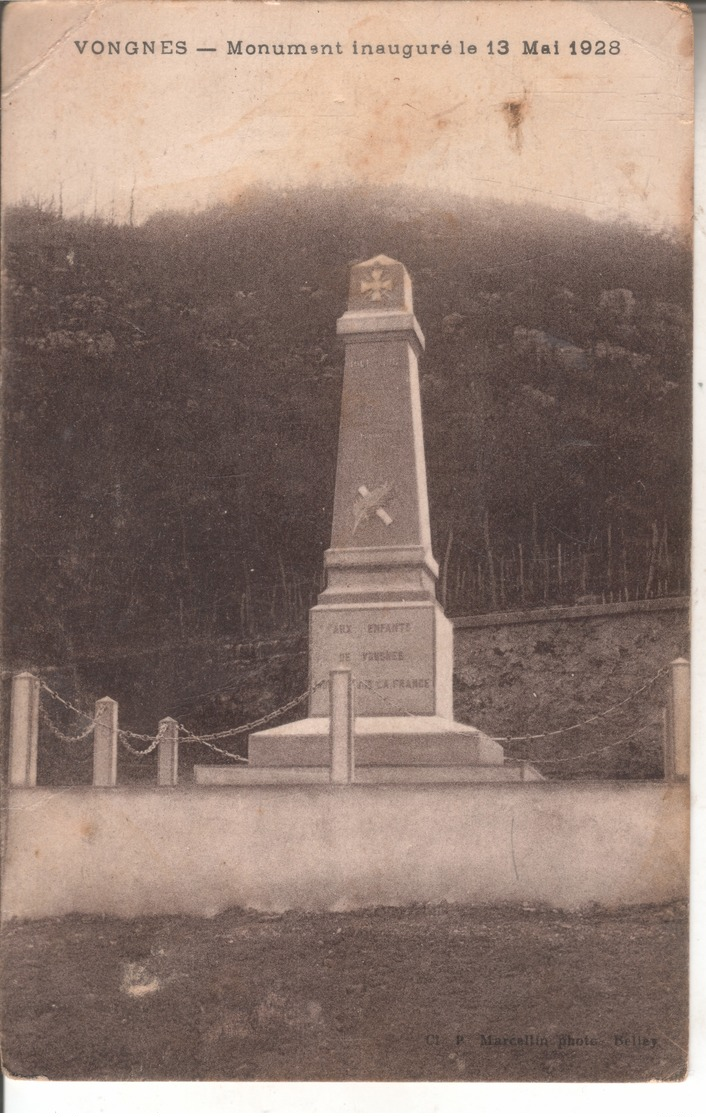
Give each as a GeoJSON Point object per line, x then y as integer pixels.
{"type": "Point", "coordinates": [378, 615]}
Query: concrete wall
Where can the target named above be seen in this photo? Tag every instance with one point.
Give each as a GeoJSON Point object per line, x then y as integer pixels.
{"type": "Point", "coordinates": [139, 851]}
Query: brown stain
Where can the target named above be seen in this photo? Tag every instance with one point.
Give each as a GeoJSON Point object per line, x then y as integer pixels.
{"type": "Point", "coordinates": [686, 204]}
{"type": "Point", "coordinates": [37, 853]}
{"type": "Point", "coordinates": [387, 135]}
{"type": "Point", "coordinates": [88, 830]}
{"type": "Point", "coordinates": [515, 112]}
{"type": "Point", "coordinates": [387, 145]}
{"type": "Point", "coordinates": [630, 170]}
{"type": "Point", "coordinates": [381, 138]}
{"type": "Point", "coordinates": [686, 44]}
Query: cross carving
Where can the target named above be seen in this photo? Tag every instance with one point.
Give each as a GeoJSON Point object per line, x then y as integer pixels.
{"type": "Point", "coordinates": [375, 286]}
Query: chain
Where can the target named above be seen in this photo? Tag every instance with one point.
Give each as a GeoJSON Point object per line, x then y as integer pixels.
{"type": "Point", "coordinates": [124, 734]}
{"type": "Point", "coordinates": [594, 752]}
{"type": "Point", "coordinates": [137, 736]}
{"type": "Point", "coordinates": [554, 732]}
{"type": "Point", "coordinates": [191, 737]}
{"type": "Point", "coordinates": [127, 735]}
{"type": "Point", "coordinates": [67, 740]}
{"type": "Point", "coordinates": [594, 717]}
{"type": "Point", "coordinates": [207, 737]}
{"type": "Point", "coordinates": [63, 701]}
{"type": "Point", "coordinates": [211, 737]}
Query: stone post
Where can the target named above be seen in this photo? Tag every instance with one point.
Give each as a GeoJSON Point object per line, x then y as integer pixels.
{"type": "Point", "coordinates": [341, 725]}
{"type": "Point", "coordinates": [678, 722]}
{"type": "Point", "coordinates": [24, 730]}
{"type": "Point", "coordinates": [168, 753]}
{"type": "Point", "coordinates": [105, 743]}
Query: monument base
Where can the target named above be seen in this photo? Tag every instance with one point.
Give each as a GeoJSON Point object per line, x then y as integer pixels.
{"type": "Point", "coordinates": [387, 750]}
{"type": "Point", "coordinates": [379, 742]}
{"type": "Point", "coordinates": [232, 774]}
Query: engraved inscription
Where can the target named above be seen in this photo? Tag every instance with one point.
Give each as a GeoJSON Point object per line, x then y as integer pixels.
{"type": "Point", "coordinates": [397, 626]}
{"type": "Point", "coordinates": [393, 684]}
{"type": "Point", "coordinates": [390, 653]}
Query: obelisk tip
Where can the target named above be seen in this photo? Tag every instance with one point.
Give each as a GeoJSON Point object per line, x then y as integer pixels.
{"type": "Point", "coordinates": [380, 284]}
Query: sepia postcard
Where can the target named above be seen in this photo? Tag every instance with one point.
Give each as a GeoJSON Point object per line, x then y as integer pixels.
{"type": "Point", "coordinates": [347, 539]}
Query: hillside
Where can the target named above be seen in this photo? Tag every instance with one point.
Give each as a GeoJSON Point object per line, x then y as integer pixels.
{"type": "Point", "coordinates": [172, 398]}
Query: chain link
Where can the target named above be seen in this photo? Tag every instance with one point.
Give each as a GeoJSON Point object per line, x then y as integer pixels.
{"type": "Point", "coordinates": [137, 736]}
{"type": "Point", "coordinates": [64, 737]}
{"type": "Point", "coordinates": [123, 735]}
{"type": "Point", "coordinates": [63, 701]}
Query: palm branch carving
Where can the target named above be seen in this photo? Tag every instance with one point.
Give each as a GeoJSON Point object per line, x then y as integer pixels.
{"type": "Point", "coordinates": [367, 502]}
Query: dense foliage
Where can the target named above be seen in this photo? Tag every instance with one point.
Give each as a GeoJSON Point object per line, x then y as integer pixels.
{"type": "Point", "coordinates": [172, 398]}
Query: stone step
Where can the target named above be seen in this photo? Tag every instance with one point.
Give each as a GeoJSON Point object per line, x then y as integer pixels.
{"type": "Point", "coordinates": [379, 741]}
{"type": "Point", "coordinates": [225, 775]}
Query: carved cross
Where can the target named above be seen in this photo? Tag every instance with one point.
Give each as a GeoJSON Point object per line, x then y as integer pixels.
{"type": "Point", "coordinates": [375, 286]}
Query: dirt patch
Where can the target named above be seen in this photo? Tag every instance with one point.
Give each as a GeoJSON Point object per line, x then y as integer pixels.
{"type": "Point", "coordinates": [442, 993]}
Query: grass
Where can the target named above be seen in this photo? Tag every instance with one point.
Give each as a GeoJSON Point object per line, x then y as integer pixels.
{"type": "Point", "coordinates": [382, 995]}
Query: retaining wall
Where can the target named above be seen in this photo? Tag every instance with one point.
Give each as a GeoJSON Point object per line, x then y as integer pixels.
{"type": "Point", "coordinates": [552, 613]}
{"type": "Point", "coordinates": [141, 851]}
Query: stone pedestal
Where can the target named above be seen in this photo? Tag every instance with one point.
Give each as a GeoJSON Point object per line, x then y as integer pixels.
{"type": "Point", "coordinates": [400, 657]}
{"type": "Point", "coordinates": [378, 615]}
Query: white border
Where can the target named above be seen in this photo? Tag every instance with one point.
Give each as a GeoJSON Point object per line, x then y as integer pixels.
{"type": "Point", "coordinates": [685, 1099]}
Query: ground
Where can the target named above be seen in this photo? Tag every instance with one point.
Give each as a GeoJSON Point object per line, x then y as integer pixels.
{"type": "Point", "coordinates": [428, 993]}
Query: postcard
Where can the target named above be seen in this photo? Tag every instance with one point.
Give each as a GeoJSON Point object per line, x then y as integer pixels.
{"type": "Point", "coordinates": [347, 508]}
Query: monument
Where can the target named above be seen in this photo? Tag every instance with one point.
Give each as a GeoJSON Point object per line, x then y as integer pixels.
{"type": "Point", "coordinates": [378, 616]}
